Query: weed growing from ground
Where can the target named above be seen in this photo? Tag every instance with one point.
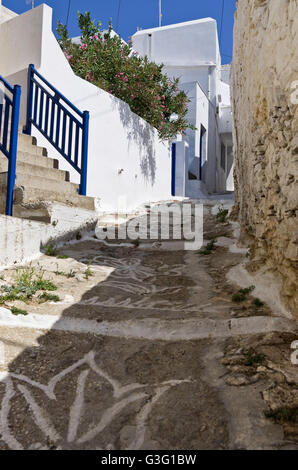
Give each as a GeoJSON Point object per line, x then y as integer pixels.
{"type": "Point", "coordinates": [238, 297]}
{"type": "Point", "coordinates": [247, 290]}
{"type": "Point", "coordinates": [210, 245]}
{"type": "Point", "coordinates": [46, 297]}
{"type": "Point", "coordinates": [50, 250]}
{"type": "Point", "coordinates": [241, 295]}
{"type": "Point", "coordinates": [258, 303]}
{"type": "Point", "coordinates": [28, 281]}
{"type": "Point", "coordinates": [209, 248]}
{"type": "Point", "coordinates": [88, 273]}
{"type": "Point", "coordinates": [253, 358]}
{"type": "Point", "coordinates": [18, 311]}
{"type": "Point", "coordinates": [282, 415]}
{"type": "Point", "coordinates": [222, 214]}
{"type": "Point", "coordinates": [71, 273]}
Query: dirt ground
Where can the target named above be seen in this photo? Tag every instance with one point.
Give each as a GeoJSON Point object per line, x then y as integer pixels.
{"type": "Point", "coordinates": [145, 349]}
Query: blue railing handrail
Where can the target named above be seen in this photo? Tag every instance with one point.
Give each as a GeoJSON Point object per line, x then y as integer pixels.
{"type": "Point", "coordinates": [52, 115]}
{"type": "Point", "coordinates": [10, 111]}
{"type": "Point", "coordinates": [61, 96]}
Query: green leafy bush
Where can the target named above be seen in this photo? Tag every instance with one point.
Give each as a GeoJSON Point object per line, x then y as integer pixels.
{"type": "Point", "coordinates": [106, 61]}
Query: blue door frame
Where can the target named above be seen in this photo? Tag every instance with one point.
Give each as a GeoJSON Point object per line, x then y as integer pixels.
{"type": "Point", "coordinates": [60, 122]}
{"type": "Point", "coordinates": [173, 189]}
{"type": "Point", "coordinates": [9, 128]}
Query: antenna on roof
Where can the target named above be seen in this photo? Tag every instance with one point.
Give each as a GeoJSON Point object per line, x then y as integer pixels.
{"type": "Point", "coordinates": [160, 14]}
{"type": "Point", "coordinates": [30, 1]}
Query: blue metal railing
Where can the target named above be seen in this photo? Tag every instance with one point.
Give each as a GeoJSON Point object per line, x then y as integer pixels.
{"type": "Point", "coordinates": [10, 98]}
{"type": "Point", "coordinates": [60, 122]}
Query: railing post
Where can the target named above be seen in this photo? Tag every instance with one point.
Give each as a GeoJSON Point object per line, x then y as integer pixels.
{"type": "Point", "coordinates": [29, 99]}
{"type": "Point", "coordinates": [13, 148]}
{"type": "Point", "coordinates": [84, 162]}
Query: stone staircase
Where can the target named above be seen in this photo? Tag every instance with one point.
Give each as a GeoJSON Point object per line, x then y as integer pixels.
{"type": "Point", "coordinates": [38, 182]}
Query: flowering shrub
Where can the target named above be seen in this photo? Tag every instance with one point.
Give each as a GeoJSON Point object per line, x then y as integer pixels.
{"type": "Point", "coordinates": [106, 61]}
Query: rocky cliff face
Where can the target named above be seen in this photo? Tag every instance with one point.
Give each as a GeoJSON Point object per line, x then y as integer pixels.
{"type": "Point", "coordinates": [265, 102]}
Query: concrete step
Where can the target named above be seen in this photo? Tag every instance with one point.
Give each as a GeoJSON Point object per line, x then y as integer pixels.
{"type": "Point", "coordinates": [39, 182]}
{"type": "Point", "coordinates": [39, 160]}
{"type": "Point", "coordinates": [75, 200]}
{"type": "Point", "coordinates": [27, 143]}
{"type": "Point", "coordinates": [54, 212]}
{"type": "Point", "coordinates": [24, 168]}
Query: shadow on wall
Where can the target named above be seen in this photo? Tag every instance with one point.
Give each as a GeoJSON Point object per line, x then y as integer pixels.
{"type": "Point", "coordinates": [140, 132]}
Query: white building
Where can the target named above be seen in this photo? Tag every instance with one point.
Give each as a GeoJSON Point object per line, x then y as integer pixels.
{"type": "Point", "coordinates": [190, 52]}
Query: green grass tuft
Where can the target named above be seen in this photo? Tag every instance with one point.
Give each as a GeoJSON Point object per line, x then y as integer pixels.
{"type": "Point", "coordinates": [253, 358]}
{"type": "Point", "coordinates": [241, 295]}
{"type": "Point", "coordinates": [28, 281]}
{"type": "Point", "coordinates": [258, 303]}
{"type": "Point", "coordinates": [282, 415]}
{"type": "Point", "coordinates": [50, 250]}
{"type": "Point", "coordinates": [222, 214]}
{"type": "Point", "coordinates": [210, 245]}
{"type": "Point", "coordinates": [18, 311]}
{"type": "Point", "coordinates": [205, 252]}
{"type": "Point", "coordinates": [88, 273]}
{"type": "Point", "coordinates": [46, 297]}
{"type": "Point", "coordinates": [247, 290]}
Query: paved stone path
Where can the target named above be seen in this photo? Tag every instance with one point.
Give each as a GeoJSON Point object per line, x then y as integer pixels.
{"type": "Point", "coordinates": [147, 353]}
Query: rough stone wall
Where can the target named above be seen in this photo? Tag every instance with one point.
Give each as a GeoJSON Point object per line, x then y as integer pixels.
{"type": "Point", "coordinates": [265, 65]}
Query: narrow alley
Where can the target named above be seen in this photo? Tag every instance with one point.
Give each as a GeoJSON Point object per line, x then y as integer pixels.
{"type": "Point", "coordinates": [145, 347]}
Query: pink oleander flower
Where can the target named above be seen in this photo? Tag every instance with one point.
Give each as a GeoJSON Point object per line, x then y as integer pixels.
{"type": "Point", "coordinates": [68, 57]}
{"type": "Point", "coordinates": [90, 77]}
{"type": "Point", "coordinates": [83, 47]}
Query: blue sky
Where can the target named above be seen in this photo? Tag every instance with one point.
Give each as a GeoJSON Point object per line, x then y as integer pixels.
{"type": "Point", "coordinates": [141, 13]}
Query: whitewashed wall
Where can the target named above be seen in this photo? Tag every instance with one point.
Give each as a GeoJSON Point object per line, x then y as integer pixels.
{"type": "Point", "coordinates": [126, 157]}
{"type": "Point", "coordinates": [5, 14]}
{"type": "Point", "coordinates": [186, 44]}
